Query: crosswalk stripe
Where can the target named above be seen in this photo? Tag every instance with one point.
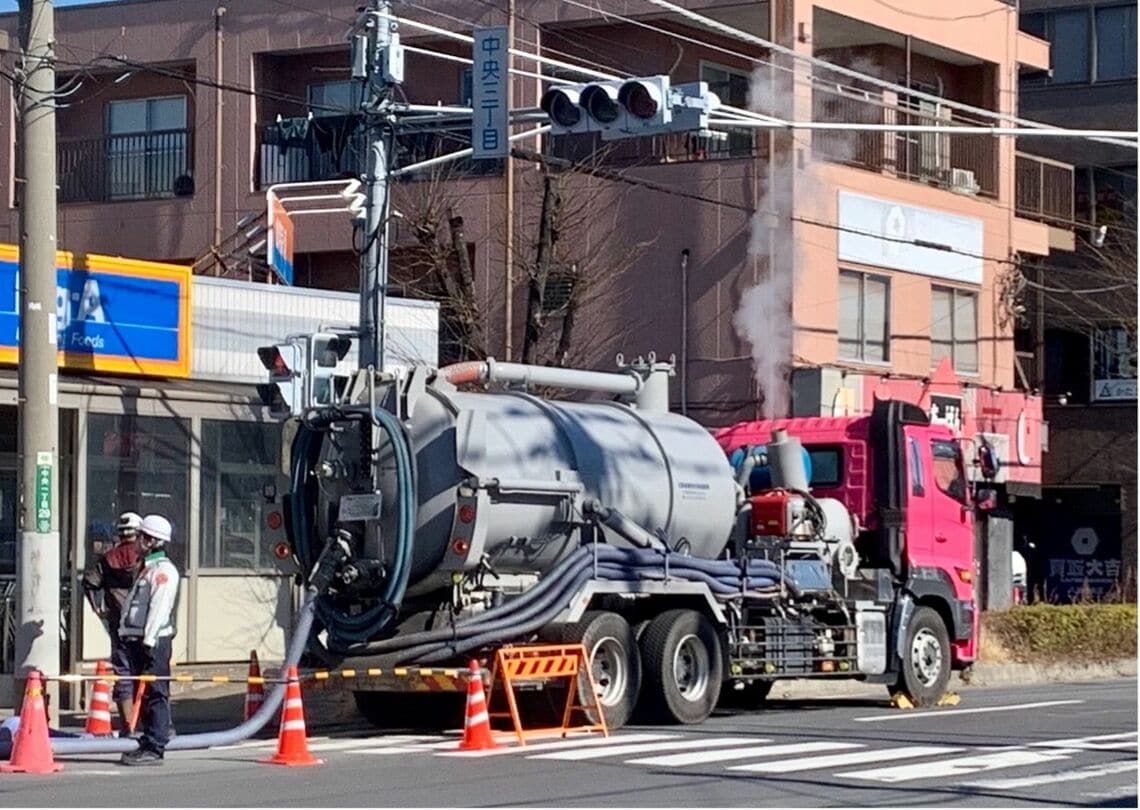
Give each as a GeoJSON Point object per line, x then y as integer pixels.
{"type": "Point", "coordinates": [838, 760]}
{"type": "Point", "coordinates": [639, 748]}
{"type": "Point", "coordinates": [960, 766]}
{"type": "Point", "coordinates": [569, 742]}
{"type": "Point", "coordinates": [373, 742]}
{"type": "Point", "coordinates": [1075, 775]}
{"type": "Point", "coordinates": [1101, 742]}
{"type": "Point", "coordinates": [749, 752]}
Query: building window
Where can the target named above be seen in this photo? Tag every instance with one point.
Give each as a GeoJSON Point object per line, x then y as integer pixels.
{"type": "Point", "coordinates": [466, 87]}
{"type": "Point", "coordinates": [147, 148]}
{"type": "Point", "coordinates": [138, 464]}
{"type": "Point", "coordinates": [1116, 43]}
{"type": "Point", "coordinates": [1114, 364]}
{"type": "Point", "coordinates": [335, 98]}
{"type": "Point", "coordinates": [954, 328]}
{"type": "Point", "coordinates": [731, 87]}
{"type": "Point", "coordinates": [1070, 31]}
{"type": "Point", "coordinates": [864, 322]}
{"type": "Point", "coordinates": [238, 460]}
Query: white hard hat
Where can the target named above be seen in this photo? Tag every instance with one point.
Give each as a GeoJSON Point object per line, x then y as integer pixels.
{"type": "Point", "coordinates": [157, 528]}
{"type": "Point", "coordinates": [129, 523]}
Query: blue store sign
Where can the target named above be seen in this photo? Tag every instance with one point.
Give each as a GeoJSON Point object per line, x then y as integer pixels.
{"type": "Point", "coordinates": [115, 315]}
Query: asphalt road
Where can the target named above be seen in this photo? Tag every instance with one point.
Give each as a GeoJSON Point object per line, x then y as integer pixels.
{"type": "Point", "coordinates": [1065, 744]}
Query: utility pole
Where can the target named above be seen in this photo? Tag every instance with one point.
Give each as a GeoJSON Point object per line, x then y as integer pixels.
{"type": "Point", "coordinates": [509, 172]}
{"type": "Point", "coordinates": [37, 625]}
{"type": "Point", "coordinates": [378, 62]}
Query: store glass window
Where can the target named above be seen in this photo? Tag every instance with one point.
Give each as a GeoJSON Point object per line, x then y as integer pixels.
{"type": "Point", "coordinates": [238, 460]}
{"type": "Point", "coordinates": [1116, 43]}
{"type": "Point", "coordinates": [139, 464]}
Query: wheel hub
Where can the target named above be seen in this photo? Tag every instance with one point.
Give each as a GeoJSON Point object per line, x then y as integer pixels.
{"type": "Point", "coordinates": [607, 666]}
{"type": "Point", "coordinates": [691, 669]}
{"type": "Point", "coordinates": [926, 657]}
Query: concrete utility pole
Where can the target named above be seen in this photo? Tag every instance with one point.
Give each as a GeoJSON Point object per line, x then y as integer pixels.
{"type": "Point", "coordinates": [378, 62]}
{"type": "Point", "coordinates": [37, 631]}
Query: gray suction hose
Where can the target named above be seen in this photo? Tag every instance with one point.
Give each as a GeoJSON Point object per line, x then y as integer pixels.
{"type": "Point", "coordinates": [191, 742]}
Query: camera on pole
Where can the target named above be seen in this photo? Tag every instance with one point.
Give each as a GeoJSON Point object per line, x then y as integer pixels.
{"type": "Point", "coordinates": [629, 108]}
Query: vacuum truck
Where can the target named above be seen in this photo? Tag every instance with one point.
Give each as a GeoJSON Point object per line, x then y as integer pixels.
{"type": "Point", "coordinates": [439, 523]}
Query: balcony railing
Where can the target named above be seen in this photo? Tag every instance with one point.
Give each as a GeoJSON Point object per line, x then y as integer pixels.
{"type": "Point", "coordinates": [336, 147]}
{"type": "Point", "coordinates": [135, 166]}
{"type": "Point", "coordinates": [672, 148]}
{"type": "Point", "coordinates": [965, 163]}
{"type": "Point", "coordinates": [1044, 189]}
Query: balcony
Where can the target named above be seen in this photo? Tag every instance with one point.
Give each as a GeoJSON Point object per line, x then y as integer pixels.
{"type": "Point", "coordinates": [304, 150]}
{"type": "Point", "coordinates": [1044, 189]}
{"type": "Point", "coordinates": [135, 166]}
{"type": "Point", "coordinates": [964, 163]}
{"type": "Point", "coordinates": [671, 148]}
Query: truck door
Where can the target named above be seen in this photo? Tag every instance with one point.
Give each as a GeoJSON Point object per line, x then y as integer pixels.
{"type": "Point", "coordinates": [919, 549]}
{"type": "Point", "coordinates": [952, 521]}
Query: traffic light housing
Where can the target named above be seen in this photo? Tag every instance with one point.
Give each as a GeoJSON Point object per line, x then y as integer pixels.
{"type": "Point", "coordinates": [629, 108]}
{"type": "Point", "coordinates": [326, 350]}
{"type": "Point", "coordinates": [284, 394]}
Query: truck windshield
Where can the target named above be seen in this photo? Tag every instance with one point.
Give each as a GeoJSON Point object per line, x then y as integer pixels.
{"type": "Point", "coordinates": [949, 475]}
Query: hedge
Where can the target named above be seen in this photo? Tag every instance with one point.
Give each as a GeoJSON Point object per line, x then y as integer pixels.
{"type": "Point", "coordinates": [1078, 633]}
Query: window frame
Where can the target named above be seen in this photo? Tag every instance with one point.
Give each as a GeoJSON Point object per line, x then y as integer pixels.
{"type": "Point", "coordinates": [861, 340]}
{"type": "Point", "coordinates": [955, 292]}
{"type": "Point", "coordinates": [354, 90]}
{"type": "Point", "coordinates": [1092, 44]}
{"type": "Point", "coordinates": [740, 142]}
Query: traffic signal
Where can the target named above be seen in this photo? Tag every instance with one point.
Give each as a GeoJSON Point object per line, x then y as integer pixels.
{"type": "Point", "coordinates": [325, 352]}
{"type": "Point", "coordinates": [629, 108]}
{"type": "Point", "coordinates": [284, 394]}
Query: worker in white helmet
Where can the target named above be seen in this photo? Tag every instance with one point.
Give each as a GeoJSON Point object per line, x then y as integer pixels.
{"type": "Point", "coordinates": [148, 627]}
{"type": "Point", "coordinates": [106, 583]}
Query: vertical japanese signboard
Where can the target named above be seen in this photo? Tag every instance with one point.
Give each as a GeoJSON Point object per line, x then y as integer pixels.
{"type": "Point", "coordinates": [489, 91]}
{"type": "Point", "coordinates": [43, 492]}
{"type": "Point", "coordinates": [280, 248]}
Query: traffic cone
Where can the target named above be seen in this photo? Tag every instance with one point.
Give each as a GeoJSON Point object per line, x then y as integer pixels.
{"type": "Point", "coordinates": [292, 748]}
{"type": "Point", "coordinates": [99, 709]}
{"type": "Point", "coordinates": [477, 725]}
{"type": "Point", "coordinates": [31, 749]}
{"type": "Point", "coordinates": [254, 691]}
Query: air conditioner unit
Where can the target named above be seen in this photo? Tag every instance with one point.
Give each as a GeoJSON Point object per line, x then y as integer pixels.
{"type": "Point", "coordinates": [962, 181]}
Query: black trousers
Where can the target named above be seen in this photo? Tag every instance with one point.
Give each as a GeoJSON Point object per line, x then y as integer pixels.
{"type": "Point", "coordinates": [121, 665]}
{"type": "Point", "coordinates": [155, 713]}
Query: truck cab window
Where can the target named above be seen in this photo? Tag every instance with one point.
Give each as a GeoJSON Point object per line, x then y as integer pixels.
{"type": "Point", "coordinates": [949, 474]}
{"type": "Point", "coordinates": [916, 487]}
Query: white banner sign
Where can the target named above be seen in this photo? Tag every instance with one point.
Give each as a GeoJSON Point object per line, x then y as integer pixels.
{"type": "Point", "coordinates": [489, 91]}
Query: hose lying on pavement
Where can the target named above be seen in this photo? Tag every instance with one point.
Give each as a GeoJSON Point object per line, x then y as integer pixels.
{"type": "Point", "coordinates": [63, 746]}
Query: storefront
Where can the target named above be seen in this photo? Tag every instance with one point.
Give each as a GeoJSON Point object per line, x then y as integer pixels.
{"type": "Point", "coordinates": [193, 444]}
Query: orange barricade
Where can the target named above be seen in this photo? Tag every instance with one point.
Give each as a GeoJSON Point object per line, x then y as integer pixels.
{"type": "Point", "coordinates": [527, 664]}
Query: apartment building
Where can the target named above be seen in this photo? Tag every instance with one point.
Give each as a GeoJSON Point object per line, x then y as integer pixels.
{"type": "Point", "coordinates": [1080, 347]}
{"type": "Point", "coordinates": [786, 271]}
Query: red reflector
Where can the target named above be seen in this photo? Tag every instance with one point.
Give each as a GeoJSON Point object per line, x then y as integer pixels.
{"type": "Point", "coordinates": [273, 520]}
{"type": "Point", "coordinates": [459, 546]}
{"type": "Point", "coordinates": [466, 514]}
{"type": "Point", "coordinates": [282, 551]}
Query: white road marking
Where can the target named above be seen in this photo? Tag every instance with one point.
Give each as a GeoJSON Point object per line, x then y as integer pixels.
{"type": "Point", "coordinates": [569, 742]}
{"type": "Point", "coordinates": [93, 772]}
{"type": "Point", "coordinates": [639, 748]}
{"type": "Point", "coordinates": [1076, 775]}
{"type": "Point", "coordinates": [357, 742]}
{"type": "Point", "coordinates": [838, 760]}
{"type": "Point", "coordinates": [750, 752]}
{"type": "Point", "coordinates": [1119, 792]}
{"type": "Point", "coordinates": [906, 715]}
{"type": "Point", "coordinates": [958, 767]}
{"type": "Point", "coordinates": [1101, 742]}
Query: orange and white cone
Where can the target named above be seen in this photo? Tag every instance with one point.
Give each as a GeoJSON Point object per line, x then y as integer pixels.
{"type": "Point", "coordinates": [99, 708]}
{"type": "Point", "coordinates": [254, 691]}
{"type": "Point", "coordinates": [31, 748]}
{"type": "Point", "coordinates": [477, 725]}
{"type": "Point", "coordinates": [292, 746]}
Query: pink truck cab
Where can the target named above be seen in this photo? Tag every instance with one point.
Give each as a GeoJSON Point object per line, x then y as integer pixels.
{"type": "Point", "coordinates": [903, 480]}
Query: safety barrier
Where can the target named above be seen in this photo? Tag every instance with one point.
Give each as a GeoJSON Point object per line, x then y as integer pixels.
{"type": "Point", "coordinates": [514, 665]}
{"type": "Point", "coordinates": [434, 679]}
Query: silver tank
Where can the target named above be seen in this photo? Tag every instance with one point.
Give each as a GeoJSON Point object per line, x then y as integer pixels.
{"type": "Point", "coordinates": [661, 470]}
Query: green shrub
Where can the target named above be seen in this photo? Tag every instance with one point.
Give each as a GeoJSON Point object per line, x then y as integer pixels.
{"type": "Point", "coordinates": [1079, 633]}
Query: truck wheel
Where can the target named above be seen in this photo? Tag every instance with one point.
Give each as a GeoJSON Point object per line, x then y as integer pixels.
{"type": "Point", "coordinates": [925, 658]}
{"type": "Point", "coordinates": [614, 663]}
{"type": "Point", "coordinates": [684, 667]}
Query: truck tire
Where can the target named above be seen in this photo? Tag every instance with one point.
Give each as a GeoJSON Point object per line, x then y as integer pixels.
{"type": "Point", "coordinates": [684, 667]}
{"type": "Point", "coordinates": [925, 660]}
{"type": "Point", "coordinates": [614, 663]}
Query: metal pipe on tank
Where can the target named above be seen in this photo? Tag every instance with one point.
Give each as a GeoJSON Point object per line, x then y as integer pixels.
{"type": "Point", "coordinates": [654, 393]}
{"type": "Point", "coordinates": [613, 519]}
{"type": "Point", "coordinates": [785, 458]}
{"type": "Point", "coordinates": [628, 384]}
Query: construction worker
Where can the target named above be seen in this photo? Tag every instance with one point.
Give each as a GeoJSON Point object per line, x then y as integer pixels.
{"type": "Point", "coordinates": [106, 583]}
{"type": "Point", "coordinates": [148, 627]}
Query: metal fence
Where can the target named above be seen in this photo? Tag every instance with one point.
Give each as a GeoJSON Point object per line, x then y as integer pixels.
{"type": "Point", "coordinates": [1044, 189]}
{"type": "Point", "coordinates": [967, 163]}
{"type": "Point", "coordinates": [135, 166]}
